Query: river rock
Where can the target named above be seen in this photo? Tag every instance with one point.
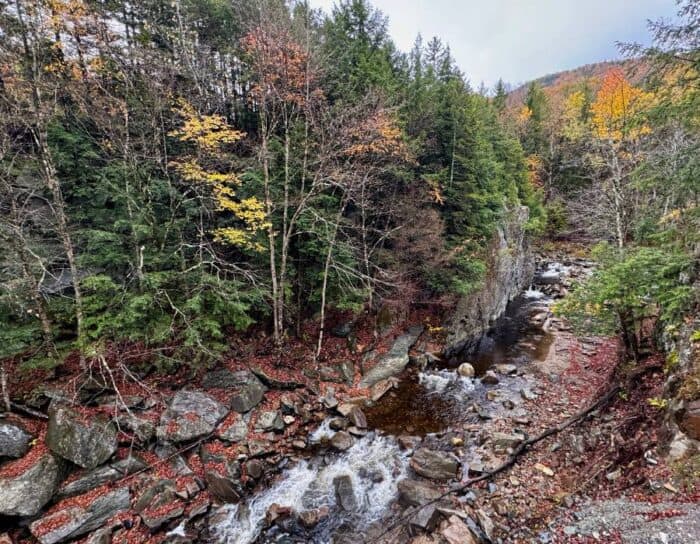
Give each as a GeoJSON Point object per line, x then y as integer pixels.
{"type": "Point", "coordinates": [338, 423]}
{"type": "Point", "coordinates": [379, 389]}
{"type": "Point", "coordinates": [74, 521]}
{"type": "Point", "coordinates": [506, 369]}
{"type": "Point", "coordinates": [415, 493]}
{"type": "Point", "coordinates": [342, 441]}
{"type": "Point", "coordinates": [14, 440]}
{"type": "Point", "coordinates": [408, 442]}
{"type": "Point", "coordinates": [269, 421]}
{"type": "Point", "coordinates": [505, 440]}
{"type": "Point", "coordinates": [490, 378]}
{"type": "Point", "coordinates": [344, 493]}
{"type": "Point", "coordinates": [248, 391]}
{"type": "Point", "coordinates": [158, 504]}
{"type": "Point", "coordinates": [310, 518]}
{"type": "Point", "coordinates": [395, 360]}
{"type": "Point", "coordinates": [223, 475]}
{"type": "Point", "coordinates": [101, 475]}
{"type": "Point", "coordinates": [436, 465]}
{"type": "Point", "coordinates": [456, 531]}
{"type": "Point", "coordinates": [357, 418]}
{"type": "Point", "coordinates": [142, 429]}
{"type": "Point", "coordinates": [275, 383]}
{"type": "Point", "coordinates": [527, 394]}
{"type": "Point", "coordinates": [425, 518]}
{"type": "Point", "coordinates": [26, 493]}
{"type": "Point", "coordinates": [233, 431]}
{"type": "Point", "coordinates": [86, 441]}
{"type": "Point", "coordinates": [190, 415]}
{"type": "Point", "coordinates": [466, 370]}
{"type": "Point", "coordinates": [255, 468]}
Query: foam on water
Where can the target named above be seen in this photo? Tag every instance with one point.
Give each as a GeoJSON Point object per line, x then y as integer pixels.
{"type": "Point", "coordinates": [305, 487]}
{"type": "Point", "coordinates": [323, 432]}
{"type": "Point", "coordinates": [533, 294]}
{"type": "Point", "coordinates": [445, 381]}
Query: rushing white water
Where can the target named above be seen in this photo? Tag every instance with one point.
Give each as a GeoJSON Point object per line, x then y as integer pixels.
{"type": "Point", "coordinates": [533, 294]}
{"type": "Point", "coordinates": [323, 431]}
{"type": "Point", "coordinates": [305, 487]}
{"type": "Point", "coordinates": [445, 381]}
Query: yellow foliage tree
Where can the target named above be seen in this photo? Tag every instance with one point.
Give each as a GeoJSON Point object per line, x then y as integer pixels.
{"type": "Point", "coordinates": [617, 108]}
{"type": "Point", "coordinates": [209, 134]}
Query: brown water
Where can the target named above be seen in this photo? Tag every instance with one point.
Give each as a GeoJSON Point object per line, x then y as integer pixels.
{"type": "Point", "coordinates": [413, 408]}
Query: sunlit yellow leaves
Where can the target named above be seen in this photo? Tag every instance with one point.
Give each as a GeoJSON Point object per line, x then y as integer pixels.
{"type": "Point", "coordinates": [618, 107]}
{"type": "Point", "coordinates": [209, 134]}
{"type": "Point", "coordinates": [573, 115]}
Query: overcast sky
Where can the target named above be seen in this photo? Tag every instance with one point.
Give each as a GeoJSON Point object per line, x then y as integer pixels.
{"type": "Point", "coordinates": [520, 40]}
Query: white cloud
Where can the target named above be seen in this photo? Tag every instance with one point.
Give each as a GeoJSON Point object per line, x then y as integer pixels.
{"type": "Point", "coordinates": [521, 39]}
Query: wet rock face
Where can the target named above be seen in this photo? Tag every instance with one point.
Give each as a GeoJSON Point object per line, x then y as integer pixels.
{"type": "Point", "coordinates": [86, 442]}
{"type": "Point", "coordinates": [690, 422]}
{"type": "Point", "coordinates": [27, 493]}
{"type": "Point", "coordinates": [344, 493]}
{"type": "Point", "coordinates": [510, 269]}
{"type": "Point", "coordinates": [72, 522]}
{"type": "Point", "coordinates": [191, 415]}
{"type": "Point", "coordinates": [14, 440]}
{"type": "Point", "coordinates": [436, 465]}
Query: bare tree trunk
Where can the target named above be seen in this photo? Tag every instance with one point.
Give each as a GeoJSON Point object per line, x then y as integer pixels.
{"type": "Point", "coordinates": [3, 388]}
{"type": "Point", "coordinates": [326, 269]}
{"type": "Point", "coordinates": [277, 333]}
{"type": "Point", "coordinates": [38, 131]}
{"type": "Point", "coordinates": [59, 209]}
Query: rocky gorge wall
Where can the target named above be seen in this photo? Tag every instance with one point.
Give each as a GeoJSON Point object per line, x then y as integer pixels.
{"type": "Point", "coordinates": [682, 392]}
{"type": "Point", "coordinates": [510, 269]}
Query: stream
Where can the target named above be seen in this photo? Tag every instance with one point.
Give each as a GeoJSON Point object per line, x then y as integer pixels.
{"type": "Point", "coordinates": [428, 403]}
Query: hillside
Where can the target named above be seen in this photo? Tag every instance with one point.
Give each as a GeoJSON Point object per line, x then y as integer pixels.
{"type": "Point", "coordinates": [634, 69]}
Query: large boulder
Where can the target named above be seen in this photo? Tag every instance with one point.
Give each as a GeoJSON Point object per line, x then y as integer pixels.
{"type": "Point", "coordinates": [248, 391]}
{"type": "Point", "coordinates": [26, 493]}
{"type": "Point", "coordinates": [14, 440]}
{"type": "Point", "coordinates": [76, 520]}
{"type": "Point", "coordinates": [86, 441]}
{"type": "Point", "coordinates": [436, 465]}
{"type": "Point", "coordinates": [415, 493]}
{"type": "Point", "coordinates": [190, 415]}
{"type": "Point", "coordinates": [395, 360]}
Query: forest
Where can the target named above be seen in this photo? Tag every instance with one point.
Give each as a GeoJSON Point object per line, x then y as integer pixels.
{"type": "Point", "coordinates": [188, 184]}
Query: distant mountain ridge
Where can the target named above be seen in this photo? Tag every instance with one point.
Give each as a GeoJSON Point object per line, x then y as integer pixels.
{"type": "Point", "coordinates": [634, 69]}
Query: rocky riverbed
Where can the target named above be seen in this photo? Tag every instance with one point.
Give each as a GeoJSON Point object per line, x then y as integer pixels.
{"type": "Point", "coordinates": [361, 450]}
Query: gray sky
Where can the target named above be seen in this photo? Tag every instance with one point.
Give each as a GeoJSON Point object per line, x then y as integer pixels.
{"type": "Point", "coordinates": [520, 40]}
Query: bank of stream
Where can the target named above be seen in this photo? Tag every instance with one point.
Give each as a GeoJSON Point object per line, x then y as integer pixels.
{"type": "Point", "coordinates": [346, 496]}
